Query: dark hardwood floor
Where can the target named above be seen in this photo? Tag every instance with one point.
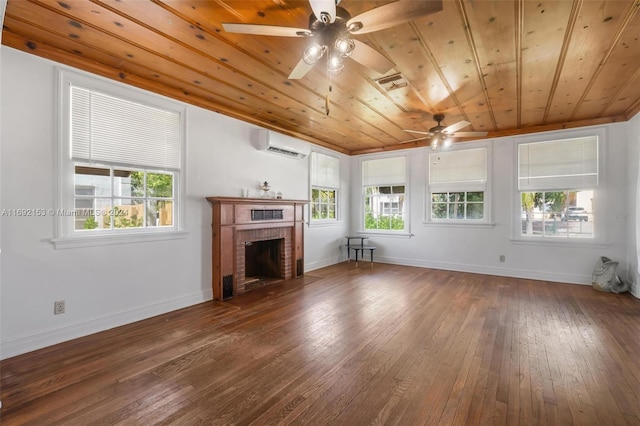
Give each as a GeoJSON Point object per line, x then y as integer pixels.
{"type": "Point", "coordinates": [351, 346]}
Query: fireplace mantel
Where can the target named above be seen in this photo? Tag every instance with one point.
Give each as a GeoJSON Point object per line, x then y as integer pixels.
{"type": "Point", "coordinates": [239, 221]}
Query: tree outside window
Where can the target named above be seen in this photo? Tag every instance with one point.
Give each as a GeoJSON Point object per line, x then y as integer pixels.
{"type": "Point", "coordinates": [384, 194]}
{"type": "Point", "coordinates": [557, 214]}
{"type": "Point", "coordinates": [323, 204]}
{"type": "Point", "coordinates": [122, 198]}
{"type": "Point", "coordinates": [384, 208]}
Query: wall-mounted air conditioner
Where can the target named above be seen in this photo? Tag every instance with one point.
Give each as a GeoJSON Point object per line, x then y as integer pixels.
{"type": "Point", "coordinates": [278, 143]}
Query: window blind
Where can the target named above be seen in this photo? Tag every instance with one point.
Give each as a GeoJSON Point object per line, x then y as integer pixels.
{"type": "Point", "coordinates": [558, 165]}
{"type": "Point", "coordinates": [384, 171]}
{"type": "Point", "coordinates": [110, 130]}
{"type": "Point", "coordinates": [325, 171]}
{"type": "Point", "coordinates": [464, 170]}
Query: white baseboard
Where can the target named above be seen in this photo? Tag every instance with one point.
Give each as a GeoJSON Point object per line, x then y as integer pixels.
{"type": "Point", "coordinates": [51, 337]}
{"type": "Point", "coordinates": [489, 270]}
{"type": "Point", "coordinates": [635, 286]}
{"type": "Point", "coordinates": [324, 263]}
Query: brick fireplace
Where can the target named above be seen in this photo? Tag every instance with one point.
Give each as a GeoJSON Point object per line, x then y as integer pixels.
{"type": "Point", "coordinates": [254, 240]}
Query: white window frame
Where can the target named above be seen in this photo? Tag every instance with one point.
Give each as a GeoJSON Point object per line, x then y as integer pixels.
{"type": "Point", "coordinates": [599, 202]}
{"type": "Point", "coordinates": [486, 221]}
{"type": "Point", "coordinates": [324, 187]}
{"type": "Point", "coordinates": [407, 206]}
{"type": "Point", "coordinates": [65, 235]}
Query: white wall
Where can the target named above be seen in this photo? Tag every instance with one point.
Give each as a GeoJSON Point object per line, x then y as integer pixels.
{"type": "Point", "coordinates": [633, 207]}
{"type": "Point", "coordinates": [112, 285]}
{"type": "Point", "coordinates": [477, 249]}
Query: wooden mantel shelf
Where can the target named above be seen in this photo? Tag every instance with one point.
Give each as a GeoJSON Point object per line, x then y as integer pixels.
{"type": "Point", "coordinates": [259, 200]}
{"type": "Point", "coordinates": [238, 221]}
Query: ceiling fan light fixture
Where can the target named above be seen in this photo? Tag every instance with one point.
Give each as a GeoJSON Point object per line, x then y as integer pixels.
{"type": "Point", "coordinates": [335, 65]}
{"type": "Point", "coordinates": [447, 143]}
{"type": "Point", "coordinates": [434, 143]}
{"type": "Point", "coordinates": [313, 53]}
{"type": "Point", "coordinates": [344, 46]}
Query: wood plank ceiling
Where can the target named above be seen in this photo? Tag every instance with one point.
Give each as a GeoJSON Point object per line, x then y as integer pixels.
{"type": "Point", "coordinates": [507, 67]}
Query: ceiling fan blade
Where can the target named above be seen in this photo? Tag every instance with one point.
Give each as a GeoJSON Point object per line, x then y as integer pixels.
{"type": "Point", "coordinates": [324, 10]}
{"type": "Point", "coordinates": [268, 30]}
{"type": "Point", "coordinates": [418, 132]}
{"type": "Point", "coordinates": [371, 58]}
{"type": "Point", "coordinates": [457, 126]}
{"type": "Point", "coordinates": [300, 70]}
{"type": "Point", "coordinates": [467, 134]}
{"type": "Point", "coordinates": [414, 140]}
{"type": "Point", "coordinates": [392, 14]}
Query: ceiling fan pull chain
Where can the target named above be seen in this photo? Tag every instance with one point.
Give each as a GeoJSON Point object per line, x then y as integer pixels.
{"type": "Point", "coordinates": [326, 99]}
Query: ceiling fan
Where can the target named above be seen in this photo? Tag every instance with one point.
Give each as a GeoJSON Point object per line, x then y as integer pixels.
{"type": "Point", "coordinates": [444, 134]}
{"type": "Point", "coordinates": [330, 30]}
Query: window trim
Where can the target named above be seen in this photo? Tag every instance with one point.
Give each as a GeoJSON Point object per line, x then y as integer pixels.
{"type": "Point", "coordinates": [64, 234]}
{"type": "Point", "coordinates": [406, 232]}
{"type": "Point", "coordinates": [487, 221]}
{"type": "Point", "coordinates": [600, 239]}
{"type": "Point", "coordinates": [338, 207]}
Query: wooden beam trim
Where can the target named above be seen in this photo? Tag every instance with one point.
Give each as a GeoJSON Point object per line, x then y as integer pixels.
{"type": "Point", "coordinates": [631, 13]}
{"type": "Point", "coordinates": [628, 84]}
{"type": "Point", "coordinates": [632, 110]}
{"type": "Point", "coordinates": [429, 53]}
{"type": "Point", "coordinates": [573, 18]}
{"type": "Point", "coordinates": [505, 133]}
{"type": "Point", "coordinates": [519, 66]}
{"type": "Point", "coordinates": [476, 60]}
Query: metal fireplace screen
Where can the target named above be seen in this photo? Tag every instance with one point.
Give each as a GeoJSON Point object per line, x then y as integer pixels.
{"type": "Point", "coordinates": [266, 215]}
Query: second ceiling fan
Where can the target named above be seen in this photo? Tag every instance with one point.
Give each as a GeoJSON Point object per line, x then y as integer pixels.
{"type": "Point", "coordinates": [440, 135]}
{"type": "Point", "coordinates": [330, 30]}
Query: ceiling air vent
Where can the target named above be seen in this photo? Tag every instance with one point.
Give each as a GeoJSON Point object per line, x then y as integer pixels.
{"type": "Point", "coordinates": [392, 82]}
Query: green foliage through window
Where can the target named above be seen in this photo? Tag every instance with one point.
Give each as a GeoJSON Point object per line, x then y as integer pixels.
{"type": "Point", "coordinates": [457, 205]}
{"type": "Point", "coordinates": [323, 204]}
{"type": "Point", "coordinates": [384, 208]}
{"type": "Point", "coordinates": [557, 214]}
{"type": "Point", "coordinates": [114, 198]}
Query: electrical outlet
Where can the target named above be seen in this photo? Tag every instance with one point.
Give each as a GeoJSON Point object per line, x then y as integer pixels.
{"type": "Point", "coordinates": [502, 258]}
{"type": "Point", "coordinates": [58, 307]}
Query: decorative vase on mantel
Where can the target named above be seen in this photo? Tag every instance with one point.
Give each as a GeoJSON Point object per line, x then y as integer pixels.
{"type": "Point", "coordinates": [265, 187]}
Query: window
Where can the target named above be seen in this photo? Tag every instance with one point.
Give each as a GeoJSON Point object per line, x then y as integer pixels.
{"type": "Point", "coordinates": [115, 198]}
{"type": "Point", "coordinates": [457, 185]}
{"type": "Point", "coordinates": [383, 182]}
{"type": "Point", "coordinates": [120, 160]}
{"type": "Point", "coordinates": [556, 182]}
{"type": "Point", "coordinates": [325, 183]}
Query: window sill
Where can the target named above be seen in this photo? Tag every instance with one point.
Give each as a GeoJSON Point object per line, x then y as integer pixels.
{"type": "Point", "coordinates": [323, 223]}
{"type": "Point", "coordinates": [112, 239]}
{"type": "Point", "coordinates": [458, 224]}
{"type": "Point", "coordinates": [565, 242]}
{"type": "Point", "coordinates": [401, 234]}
